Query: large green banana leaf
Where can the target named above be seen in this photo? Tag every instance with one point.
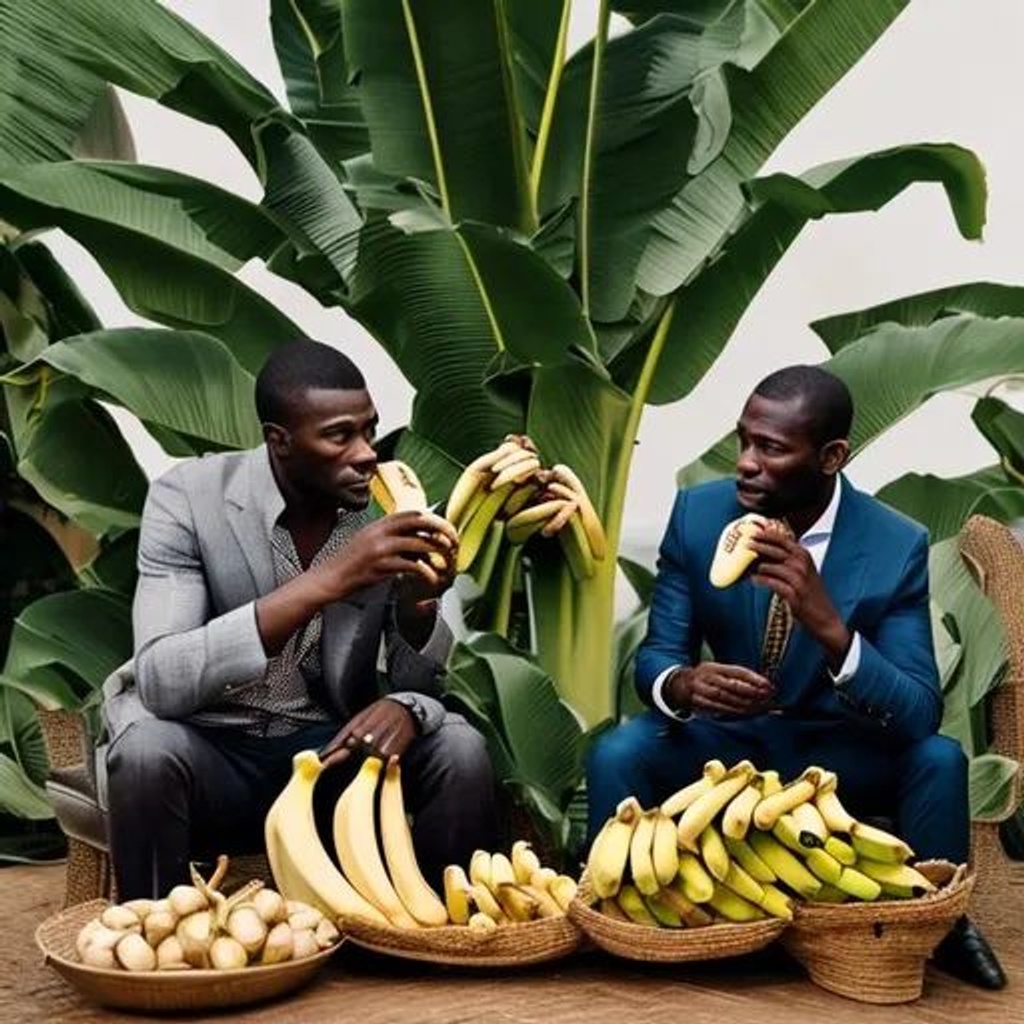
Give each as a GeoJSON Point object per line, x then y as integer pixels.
{"type": "Point", "coordinates": [19, 795]}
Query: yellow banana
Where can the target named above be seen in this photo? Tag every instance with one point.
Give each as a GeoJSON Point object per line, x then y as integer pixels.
{"type": "Point", "coordinates": [841, 850]}
{"type": "Point", "coordinates": [517, 473]}
{"type": "Point", "coordinates": [473, 480]}
{"type": "Point", "coordinates": [610, 850]}
{"type": "Point", "coordinates": [576, 549]}
{"type": "Point", "coordinates": [733, 555]}
{"type": "Point", "coordinates": [355, 841]}
{"type": "Point", "coordinates": [560, 519]}
{"type": "Point", "coordinates": [830, 894]}
{"type": "Point", "coordinates": [743, 885]}
{"type": "Point", "coordinates": [777, 903]}
{"type": "Point", "coordinates": [300, 865]}
{"type": "Point", "coordinates": [471, 537]}
{"type": "Point", "coordinates": [678, 802]}
{"type": "Point", "coordinates": [520, 497]}
{"type": "Point", "coordinates": [641, 862]}
{"type": "Point", "coordinates": [521, 526]}
{"type": "Point", "coordinates": [663, 911]}
{"type": "Point", "coordinates": [502, 872]}
{"type": "Point", "coordinates": [611, 909]}
{"type": "Point", "coordinates": [809, 823]}
{"type": "Point", "coordinates": [664, 848]}
{"type": "Point", "coordinates": [563, 889]}
{"type": "Point", "coordinates": [740, 809]}
{"type": "Point", "coordinates": [743, 853]}
{"type": "Point", "coordinates": [770, 782]}
{"type": "Point", "coordinates": [396, 488]}
{"type": "Point", "coordinates": [592, 526]}
{"type": "Point", "coordinates": [514, 457]}
{"type": "Point", "coordinates": [486, 902]}
{"type": "Point", "coordinates": [633, 906]}
{"type": "Point", "coordinates": [524, 861]}
{"type": "Point", "coordinates": [457, 895]}
{"type": "Point", "coordinates": [547, 905]}
{"type": "Point", "coordinates": [788, 869]}
{"type": "Point", "coordinates": [834, 814]}
{"type": "Point", "coordinates": [785, 831]}
{"type": "Point", "coordinates": [691, 914]}
{"type": "Point", "coordinates": [714, 853]}
{"type": "Point", "coordinates": [697, 883]}
{"type": "Point", "coordinates": [767, 812]}
{"type": "Point", "coordinates": [416, 895]}
{"type": "Point", "coordinates": [823, 865]}
{"type": "Point", "coordinates": [480, 868]}
{"type": "Point", "coordinates": [480, 922]}
{"type": "Point", "coordinates": [858, 885]}
{"type": "Point", "coordinates": [877, 844]}
{"type": "Point", "coordinates": [517, 903]}
{"type": "Point", "coordinates": [700, 813]}
{"type": "Point", "coordinates": [734, 908]}
{"type": "Point", "coordinates": [899, 880]}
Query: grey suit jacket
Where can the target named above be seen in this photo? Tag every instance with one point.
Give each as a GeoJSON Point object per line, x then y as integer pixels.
{"type": "Point", "coordinates": [204, 559]}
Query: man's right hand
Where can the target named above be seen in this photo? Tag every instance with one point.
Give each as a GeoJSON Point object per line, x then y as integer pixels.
{"type": "Point", "coordinates": [713, 688]}
{"type": "Point", "coordinates": [395, 545]}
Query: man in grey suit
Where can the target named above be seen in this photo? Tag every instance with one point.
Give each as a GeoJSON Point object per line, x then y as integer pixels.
{"type": "Point", "coordinates": [265, 592]}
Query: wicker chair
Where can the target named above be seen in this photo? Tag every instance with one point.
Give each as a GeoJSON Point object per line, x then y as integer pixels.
{"type": "Point", "coordinates": [73, 790]}
{"type": "Point", "coordinates": [994, 555]}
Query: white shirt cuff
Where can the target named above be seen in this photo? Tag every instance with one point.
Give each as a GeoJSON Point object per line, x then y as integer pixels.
{"type": "Point", "coordinates": [850, 664]}
{"type": "Point", "coordinates": [658, 697]}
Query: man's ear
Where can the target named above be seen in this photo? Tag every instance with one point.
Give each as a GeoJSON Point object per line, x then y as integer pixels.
{"type": "Point", "coordinates": [278, 439]}
{"type": "Point", "coordinates": [834, 456]}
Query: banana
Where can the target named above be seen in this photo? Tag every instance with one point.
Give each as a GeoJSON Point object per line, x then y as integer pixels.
{"type": "Point", "coordinates": [471, 537]}
{"type": "Point", "coordinates": [611, 848]}
{"type": "Point", "coordinates": [700, 813]}
{"type": "Point", "coordinates": [740, 809]}
{"type": "Point", "coordinates": [611, 909]}
{"type": "Point", "coordinates": [473, 480]}
{"type": "Point", "coordinates": [714, 853]}
{"type": "Point", "coordinates": [517, 473]}
{"type": "Point", "coordinates": [678, 802]}
{"type": "Point", "coordinates": [841, 850]}
{"type": "Point", "coordinates": [416, 895]}
{"type": "Point", "coordinates": [524, 861]}
{"type": "Point", "coordinates": [563, 889]}
{"type": "Point", "coordinates": [733, 555]}
{"type": "Point", "coordinates": [663, 911]}
{"type": "Point", "coordinates": [641, 863]}
{"type": "Point", "coordinates": [743, 885]}
{"type": "Point", "coordinates": [396, 488]}
{"type": "Point", "coordinates": [489, 554]}
{"type": "Point", "coordinates": [520, 527]}
{"type": "Point", "coordinates": [877, 844]}
{"type": "Point", "coordinates": [788, 870]}
{"type": "Point", "coordinates": [486, 902]}
{"type": "Point", "coordinates": [502, 872]}
{"type": "Point", "coordinates": [592, 526]}
{"type": "Point", "coordinates": [560, 519]}
{"type": "Point", "coordinates": [457, 895]}
{"type": "Point", "coordinates": [480, 922]}
{"type": "Point", "coordinates": [547, 905]}
{"type": "Point", "coordinates": [576, 549]}
{"type": "Point", "coordinates": [514, 457]}
{"type": "Point", "coordinates": [835, 816]}
{"type": "Point", "coordinates": [355, 841]}
{"type": "Point", "coordinates": [786, 832]}
{"type": "Point", "coordinates": [767, 812]}
{"type": "Point", "coordinates": [633, 906]}
{"type": "Point", "coordinates": [300, 865]}
{"type": "Point", "coordinates": [543, 877]}
{"type": "Point", "coordinates": [858, 885]}
{"type": "Point", "coordinates": [899, 880]}
{"type": "Point", "coordinates": [823, 865]}
{"type": "Point", "coordinates": [474, 503]}
{"type": "Point", "coordinates": [520, 497]}
{"type": "Point", "coordinates": [777, 903]}
{"type": "Point", "coordinates": [809, 823]}
{"type": "Point", "coordinates": [480, 868]}
{"type": "Point", "coordinates": [770, 782]}
{"type": "Point", "coordinates": [664, 848]}
{"type": "Point", "coordinates": [830, 894]}
{"type": "Point", "coordinates": [743, 853]}
{"type": "Point", "coordinates": [517, 903]}
{"type": "Point", "coordinates": [692, 915]}
{"type": "Point", "coordinates": [697, 884]}
{"type": "Point", "coordinates": [734, 908]}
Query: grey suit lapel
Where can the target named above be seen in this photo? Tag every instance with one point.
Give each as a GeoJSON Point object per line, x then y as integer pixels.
{"type": "Point", "coordinates": [252, 503]}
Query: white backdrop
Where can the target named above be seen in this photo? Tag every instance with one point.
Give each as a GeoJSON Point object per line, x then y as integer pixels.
{"type": "Point", "coordinates": [947, 70]}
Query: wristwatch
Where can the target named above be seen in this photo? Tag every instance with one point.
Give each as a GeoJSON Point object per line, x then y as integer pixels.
{"type": "Point", "coordinates": [414, 707]}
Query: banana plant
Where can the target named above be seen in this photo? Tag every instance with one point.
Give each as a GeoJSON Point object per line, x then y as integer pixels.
{"type": "Point", "coordinates": [543, 243]}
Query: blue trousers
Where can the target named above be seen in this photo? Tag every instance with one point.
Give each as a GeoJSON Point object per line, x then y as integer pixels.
{"type": "Point", "coordinates": [922, 787]}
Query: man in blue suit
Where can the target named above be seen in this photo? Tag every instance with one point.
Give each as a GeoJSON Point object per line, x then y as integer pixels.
{"type": "Point", "coordinates": [856, 689]}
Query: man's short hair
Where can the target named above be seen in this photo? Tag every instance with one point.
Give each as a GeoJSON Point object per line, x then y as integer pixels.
{"type": "Point", "coordinates": [825, 398]}
{"type": "Point", "coordinates": [297, 367]}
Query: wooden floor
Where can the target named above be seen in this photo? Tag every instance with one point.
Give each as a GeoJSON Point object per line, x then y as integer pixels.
{"type": "Point", "coordinates": [590, 989]}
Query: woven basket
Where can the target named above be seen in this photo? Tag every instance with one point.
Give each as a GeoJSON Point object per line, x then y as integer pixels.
{"type": "Point", "coordinates": [876, 952]}
{"type": "Point", "coordinates": [508, 945]}
{"type": "Point", "coordinates": [164, 990]}
{"type": "Point", "coordinates": [669, 945]}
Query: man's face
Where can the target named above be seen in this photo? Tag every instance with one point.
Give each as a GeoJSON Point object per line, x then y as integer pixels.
{"type": "Point", "coordinates": [779, 469]}
{"type": "Point", "coordinates": [326, 449]}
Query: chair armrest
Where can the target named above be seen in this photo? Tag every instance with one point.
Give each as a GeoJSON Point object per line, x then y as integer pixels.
{"type": "Point", "coordinates": [66, 738]}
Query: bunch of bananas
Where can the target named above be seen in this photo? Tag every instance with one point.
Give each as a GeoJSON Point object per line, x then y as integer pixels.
{"type": "Point", "coordinates": [505, 890]}
{"type": "Point", "coordinates": [738, 845]}
{"type": "Point", "coordinates": [390, 889]}
{"type": "Point", "coordinates": [198, 926]}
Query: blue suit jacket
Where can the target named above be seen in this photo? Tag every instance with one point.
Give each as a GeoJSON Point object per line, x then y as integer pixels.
{"type": "Point", "coordinates": [876, 572]}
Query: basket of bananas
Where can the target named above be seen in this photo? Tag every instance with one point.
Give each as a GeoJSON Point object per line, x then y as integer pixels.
{"type": "Point", "coordinates": [195, 949]}
{"type": "Point", "coordinates": [506, 911]}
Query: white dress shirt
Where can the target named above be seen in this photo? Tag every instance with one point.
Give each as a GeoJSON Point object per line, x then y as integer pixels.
{"type": "Point", "coordinates": [815, 541]}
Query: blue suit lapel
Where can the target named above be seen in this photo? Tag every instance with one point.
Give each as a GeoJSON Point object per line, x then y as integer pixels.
{"type": "Point", "coordinates": [843, 575]}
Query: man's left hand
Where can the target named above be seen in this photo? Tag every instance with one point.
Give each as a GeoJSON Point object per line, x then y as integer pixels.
{"type": "Point", "coordinates": [787, 569]}
{"type": "Point", "coordinates": [385, 728]}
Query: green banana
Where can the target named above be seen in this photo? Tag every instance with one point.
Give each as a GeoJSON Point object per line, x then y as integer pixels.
{"type": "Point", "coordinates": [633, 906]}
{"type": "Point", "coordinates": [830, 894]}
{"type": "Point", "coordinates": [777, 903]}
{"type": "Point", "coordinates": [858, 885]}
{"type": "Point", "coordinates": [841, 850]}
{"type": "Point", "coordinates": [734, 908]}
{"type": "Point", "coordinates": [899, 880]}
{"type": "Point", "coordinates": [472, 537]}
{"type": "Point", "coordinates": [576, 549]}
{"type": "Point", "coordinates": [743, 853]}
{"type": "Point", "coordinates": [520, 498]}
{"type": "Point", "coordinates": [788, 869]}
{"type": "Point", "coordinates": [877, 844]}
{"type": "Point", "coordinates": [663, 911]}
{"type": "Point", "coordinates": [691, 914]}
{"type": "Point", "coordinates": [823, 865]}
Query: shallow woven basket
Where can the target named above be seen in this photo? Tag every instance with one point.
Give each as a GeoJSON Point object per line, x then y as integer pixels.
{"type": "Point", "coordinates": [508, 945]}
{"type": "Point", "coordinates": [876, 952]}
{"type": "Point", "coordinates": [164, 990]}
{"type": "Point", "coordinates": [670, 945]}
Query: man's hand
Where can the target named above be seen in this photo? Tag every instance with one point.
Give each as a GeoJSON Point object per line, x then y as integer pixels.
{"type": "Point", "coordinates": [787, 569]}
{"type": "Point", "coordinates": [719, 689]}
{"type": "Point", "coordinates": [385, 728]}
{"type": "Point", "coordinates": [397, 545]}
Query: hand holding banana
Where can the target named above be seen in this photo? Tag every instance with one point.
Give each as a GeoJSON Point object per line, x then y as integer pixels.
{"type": "Point", "coordinates": [745, 846]}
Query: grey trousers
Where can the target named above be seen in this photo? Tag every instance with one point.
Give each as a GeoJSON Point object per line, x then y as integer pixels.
{"type": "Point", "coordinates": [179, 792]}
